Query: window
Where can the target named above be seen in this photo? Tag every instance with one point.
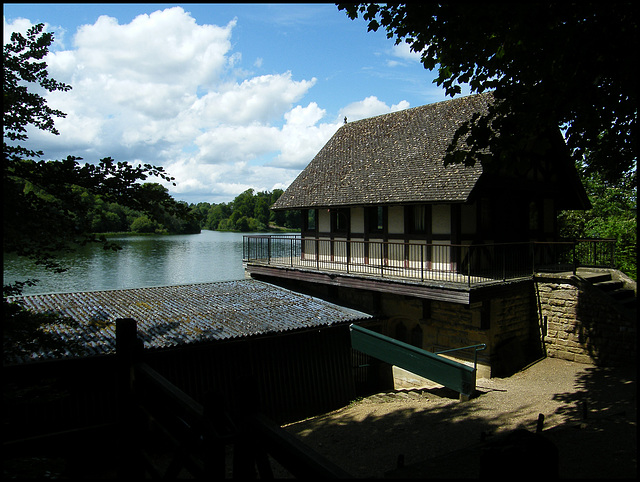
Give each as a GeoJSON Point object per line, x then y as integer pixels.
{"type": "Point", "coordinates": [419, 219]}
{"type": "Point", "coordinates": [311, 220]}
{"type": "Point", "coordinates": [342, 220]}
{"type": "Point", "coordinates": [376, 219]}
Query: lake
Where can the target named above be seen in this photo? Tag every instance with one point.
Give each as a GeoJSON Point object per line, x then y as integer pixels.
{"type": "Point", "coordinates": [156, 260]}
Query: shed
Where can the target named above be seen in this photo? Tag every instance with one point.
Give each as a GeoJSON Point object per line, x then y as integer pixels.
{"type": "Point", "coordinates": [288, 352]}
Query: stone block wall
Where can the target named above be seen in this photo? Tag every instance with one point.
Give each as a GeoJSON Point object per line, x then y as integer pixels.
{"type": "Point", "coordinates": [583, 324]}
{"type": "Point", "coordinates": [514, 329]}
{"type": "Point", "coordinates": [452, 325]}
{"type": "Point", "coordinates": [556, 315]}
{"type": "Point", "coordinates": [506, 321]}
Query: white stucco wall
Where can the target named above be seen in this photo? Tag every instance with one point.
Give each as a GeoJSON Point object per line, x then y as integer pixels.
{"type": "Point", "coordinates": [357, 220]}
{"type": "Point", "coordinates": [324, 221]}
{"type": "Point", "coordinates": [396, 219]}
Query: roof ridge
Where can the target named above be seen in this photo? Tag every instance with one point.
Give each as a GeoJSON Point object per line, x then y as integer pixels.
{"type": "Point", "coordinates": [389, 159]}
{"type": "Point", "coordinates": [431, 105]}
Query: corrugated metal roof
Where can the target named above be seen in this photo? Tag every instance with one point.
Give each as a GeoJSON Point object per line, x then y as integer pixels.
{"type": "Point", "coordinates": [170, 316]}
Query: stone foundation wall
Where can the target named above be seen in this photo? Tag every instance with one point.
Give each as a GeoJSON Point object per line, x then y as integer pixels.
{"type": "Point", "coordinates": [557, 316]}
{"type": "Point", "coordinates": [514, 330]}
{"type": "Point", "coordinates": [506, 322]}
{"type": "Point", "coordinates": [583, 324]}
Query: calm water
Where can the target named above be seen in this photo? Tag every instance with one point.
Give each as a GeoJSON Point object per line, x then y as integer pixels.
{"type": "Point", "coordinates": [143, 261]}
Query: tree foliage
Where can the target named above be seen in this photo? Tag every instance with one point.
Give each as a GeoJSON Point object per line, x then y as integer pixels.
{"type": "Point", "coordinates": [549, 64]}
{"type": "Point", "coordinates": [23, 65]}
{"type": "Point", "coordinates": [250, 211]}
{"type": "Point", "coordinates": [45, 203]}
{"type": "Point", "coordinates": [614, 215]}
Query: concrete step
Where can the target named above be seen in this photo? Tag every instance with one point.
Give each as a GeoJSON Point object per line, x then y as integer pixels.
{"type": "Point", "coordinates": [622, 294]}
{"type": "Point", "coordinates": [595, 277]}
{"type": "Point", "coordinates": [625, 297]}
{"type": "Point", "coordinates": [609, 285]}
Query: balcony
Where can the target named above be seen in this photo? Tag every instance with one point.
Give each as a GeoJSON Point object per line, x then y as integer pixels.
{"type": "Point", "coordinates": [468, 264]}
{"type": "Point", "coordinates": [455, 267]}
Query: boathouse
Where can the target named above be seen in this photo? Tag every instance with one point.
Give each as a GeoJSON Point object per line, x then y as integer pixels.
{"type": "Point", "coordinates": [288, 354]}
{"type": "Point", "coordinates": [443, 255]}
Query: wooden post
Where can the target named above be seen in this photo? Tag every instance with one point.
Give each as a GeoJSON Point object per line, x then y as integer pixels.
{"type": "Point", "coordinates": [130, 463]}
{"type": "Point", "coordinates": [219, 433]}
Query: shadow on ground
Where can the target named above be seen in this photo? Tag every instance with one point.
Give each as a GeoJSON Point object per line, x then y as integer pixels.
{"type": "Point", "coordinates": [445, 438]}
{"type": "Point", "coordinates": [449, 439]}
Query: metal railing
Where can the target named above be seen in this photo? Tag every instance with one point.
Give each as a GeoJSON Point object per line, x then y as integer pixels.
{"type": "Point", "coordinates": [476, 349]}
{"type": "Point", "coordinates": [449, 373]}
{"type": "Point", "coordinates": [456, 263]}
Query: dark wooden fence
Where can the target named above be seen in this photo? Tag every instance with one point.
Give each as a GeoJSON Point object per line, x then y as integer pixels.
{"type": "Point", "coordinates": [283, 377]}
{"type": "Point", "coordinates": [196, 436]}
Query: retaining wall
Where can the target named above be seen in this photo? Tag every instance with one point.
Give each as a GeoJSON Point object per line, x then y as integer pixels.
{"type": "Point", "coordinates": [583, 324]}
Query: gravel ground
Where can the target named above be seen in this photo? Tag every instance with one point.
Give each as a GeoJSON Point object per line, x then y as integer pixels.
{"type": "Point", "coordinates": [589, 415]}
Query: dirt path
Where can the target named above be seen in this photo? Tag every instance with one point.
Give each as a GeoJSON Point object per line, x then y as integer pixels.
{"type": "Point", "coordinates": [368, 437]}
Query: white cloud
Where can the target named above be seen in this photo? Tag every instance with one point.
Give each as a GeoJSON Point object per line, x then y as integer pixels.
{"type": "Point", "coordinates": [302, 137]}
{"type": "Point", "coordinates": [226, 144]}
{"type": "Point", "coordinates": [260, 99]}
{"type": "Point", "coordinates": [165, 47]}
{"type": "Point", "coordinates": [20, 25]}
{"type": "Point", "coordinates": [369, 107]}
{"type": "Point", "coordinates": [222, 183]}
{"type": "Point", "coordinates": [403, 51]}
{"type": "Point", "coordinates": [165, 90]}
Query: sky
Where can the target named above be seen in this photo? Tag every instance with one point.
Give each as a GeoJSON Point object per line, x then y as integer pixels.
{"type": "Point", "coordinates": [225, 97]}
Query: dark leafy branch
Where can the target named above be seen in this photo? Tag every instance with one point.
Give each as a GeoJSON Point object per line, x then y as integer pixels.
{"type": "Point", "coordinates": [45, 209]}
{"type": "Point", "coordinates": [550, 65]}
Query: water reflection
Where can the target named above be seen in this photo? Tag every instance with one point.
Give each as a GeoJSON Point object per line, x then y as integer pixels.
{"type": "Point", "coordinates": [143, 261]}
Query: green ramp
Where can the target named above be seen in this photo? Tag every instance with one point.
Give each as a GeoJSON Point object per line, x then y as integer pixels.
{"type": "Point", "coordinates": [457, 376]}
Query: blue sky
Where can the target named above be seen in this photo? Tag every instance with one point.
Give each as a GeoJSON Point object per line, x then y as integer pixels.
{"type": "Point", "coordinates": [225, 97]}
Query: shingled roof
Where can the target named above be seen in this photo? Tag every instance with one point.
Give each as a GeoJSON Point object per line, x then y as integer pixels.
{"type": "Point", "coordinates": [390, 159]}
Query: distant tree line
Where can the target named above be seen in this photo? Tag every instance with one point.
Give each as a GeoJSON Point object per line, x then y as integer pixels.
{"type": "Point", "coordinates": [104, 216]}
{"type": "Point", "coordinates": [249, 211]}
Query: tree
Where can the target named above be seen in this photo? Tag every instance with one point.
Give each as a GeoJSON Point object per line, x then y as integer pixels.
{"type": "Point", "coordinates": [549, 64]}
{"type": "Point", "coordinates": [200, 212]}
{"type": "Point", "coordinates": [261, 209]}
{"type": "Point", "coordinates": [217, 213]}
{"type": "Point", "coordinates": [44, 202]}
{"type": "Point", "coordinates": [21, 107]}
{"type": "Point", "coordinates": [242, 224]}
{"type": "Point", "coordinates": [142, 224]}
{"type": "Point", "coordinates": [43, 209]}
{"type": "Point", "coordinates": [244, 204]}
{"type": "Point", "coordinates": [614, 215]}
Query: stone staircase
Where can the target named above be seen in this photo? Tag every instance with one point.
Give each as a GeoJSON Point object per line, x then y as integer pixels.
{"type": "Point", "coordinates": [615, 285]}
